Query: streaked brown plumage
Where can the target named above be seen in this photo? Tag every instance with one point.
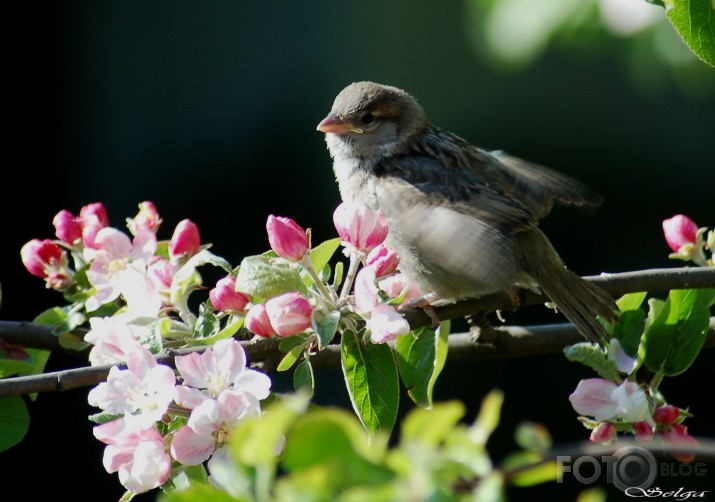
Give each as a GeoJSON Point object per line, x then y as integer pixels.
{"type": "Point", "coordinates": [463, 221]}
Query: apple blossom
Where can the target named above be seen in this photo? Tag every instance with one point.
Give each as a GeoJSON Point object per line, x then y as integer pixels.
{"type": "Point", "coordinates": [398, 284]}
{"type": "Point", "coordinates": [142, 393]}
{"type": "Point", "coordinates": [605, 400]}
{"type": "Point", "coordinates": [677, 435]}
{"type": "Point", "coordinates": [359, 226]}
{"type": "Point", "coordinates": [225, 297]}
{"type": "Point", "coordinates": [220, 368]}
{"type": "Point", "coordinates": [386, 324]}
{"type": "Point", "coordinates": [138, 456]}
{"type": "Point", "coordinates": [209, 426]}
{"type": "Point", "coordinates": [287, 238]}
{"type": "Point", "coordinates": [40, 257]}
{"type": "Point", "coordinates": [185, 241]}
{"type": "Point", "coordinates": [624, 363]}
{"type": "Point", "coordinates": [258, 323]}
{"type": "Point", "coordinates": [643, 431]}
{"type": "Point", "coordinates": [289, 313]}
{"type": "Point", "coordinates": [94, 214]}
{"type": "Point", "coordinates": [161, 271]}
{"type": "Point", "coordinates": [383, 259]}
{"type": "Point", "coordinates": [119, 267]}
{"type": "Point", "coordinates": [666, 414]}
{"type": "Point", "coordinates": [68, 227]}
{"type": "Point", "coordinates": [112, 339]}
{"type": "Point", "coordinates": [366, 292]}
{"type": "Point", "coordinates": [146, 219]}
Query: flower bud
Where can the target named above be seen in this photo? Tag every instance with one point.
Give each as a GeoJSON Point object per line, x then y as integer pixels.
{"type": "Point", "coordinates": [185, 241]}
{"type": "Point", "coordinates": [287, 238]}
{"type": "Point", "coordinates": [360, 226]}
{"type": "Point", "coordinates": [680, 231]}
{"type": "Point", "coordinates": [386, 324]}
{"type": "Point", "coordinates": [398, 284]}
{"type": "Point", "coordinates": [603, 433]}
{"type": "Point", "coordinates": [225, 297]}
{"type": "Point", "coordinates": [644, 431]}
{"type": "Point", "coordinates": [68, 228]}
{"type": "Point", "coordinates": [666, 414]}
{"type": "Point", "coordinates": [94, 214]}
{"type": "Point", "coordinates": [146, 219]}
{"type": "Point", "coordinates": [289, 313]}
{"type": "Point", "coordinates": [257, 321]}
{"type": "Point", "coordinates": [678, 434]}
{"type": "Point", "coordinates": [41, 257]}
{"type": "Point", "coordinates": [383, 259]}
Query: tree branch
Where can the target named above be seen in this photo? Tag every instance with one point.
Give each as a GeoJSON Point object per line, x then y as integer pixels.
{"type": "Point", "coordinates": [505, 341]}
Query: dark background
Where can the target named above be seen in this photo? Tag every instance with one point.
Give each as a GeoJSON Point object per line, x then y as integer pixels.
{"type": "Point", "coordinates": [209, 110]}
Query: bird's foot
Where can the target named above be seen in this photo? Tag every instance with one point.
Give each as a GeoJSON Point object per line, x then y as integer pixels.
{"type": "Point", "coordinates": [481, 330]}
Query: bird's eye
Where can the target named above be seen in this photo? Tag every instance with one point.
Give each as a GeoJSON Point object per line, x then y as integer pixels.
{"type": "Point", "coordinates": [368, 118]}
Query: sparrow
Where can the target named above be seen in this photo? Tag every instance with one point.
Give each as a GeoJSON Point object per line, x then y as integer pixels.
{"type": "Point", "coordinates": [463, 220]}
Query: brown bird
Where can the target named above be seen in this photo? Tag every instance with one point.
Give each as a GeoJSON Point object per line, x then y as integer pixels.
{"type": "Point", "coordinates": [463, 221]}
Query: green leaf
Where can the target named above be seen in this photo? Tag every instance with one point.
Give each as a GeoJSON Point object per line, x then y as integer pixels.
{"type": "Point", "coordinates": [488, 418]}
{"type": "Point", "coordinates": [188, 475]}
{"type": "Point", "coordinates": [531, 470]}
{"type": "Point", "coordinates": [371, 379]}
{"type": "Point", "coordinates": [630, 330]}
{"type": "Point", "coordinates": [676, 332]}
{"type": "Point", "coordinates": [231, 328]}
{"type": "Point", "coordinates": [708, 297]}
{"type": "Point", "coordinates": [290, 358]}
{"type": "Point", "coordinates": [73, 341]}
{"type": "Point", "coordinates": [321, 254]}
{"type": "Point", "coordinates": [14, 421]}
{"type": "Point", "coordinates": [631, 301]}
{"type": "Point", "coordinates": [328, 451]}
{"type": "Point", "coordinates": [532, 436]}
{"type": "Point", "coordinates": [593, 357]}
{"type": "Point", "coordinates": [264, 277]}
{"type": "Point", "coordinates": [198, 492]}
{"type": "Point", "coordinates": [431, 427]}
{"type": "Point", "coordinates": [421, 355]}
{"type": "Point", "coordinates": [51, 317]}
{"type": "Point", "coordinates": [303, 378]}
{"type": "Point", "coordinates": [206, 325]}
{"type": "Point", "coordinates": [694, 20]}
{"type": "Point", "coordinates": [325, 326]}
{"type": "Point", "coordinates": [257, 440]}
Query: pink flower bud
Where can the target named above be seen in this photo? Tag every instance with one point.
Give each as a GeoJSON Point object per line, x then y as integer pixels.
{"type": "Point", "coordinates": [287, 238]}
{"type": "Point", "coordinates": [644, 431]}
{"type": "Point", "coordinates": [257, 321]}
{"type": "Point", "coordinates": [186, 240]}
{"type": "Point", "coordinates": [603, 433]}
{"type": "Point", "coordinates": [93, 214]}
{"type": "Point", "coordinates": [366, 292]}
{"type": "Point", "coordinates": [41, 257]}
{"type": "Point", "coordinates": [68, 227]}
{"type": "Point", "coordinates": [386, 324]}
{"type": "Point", "coordinates": [146, 219]}
{"type": "Point", "coordinates": [397, 284]}
{"type": "Point", "coordinates": [360, 226]}
{"type": "Point", "coordinates": [679, 231]}
{"type": "Point", "coordinates": [289, 313]}
{"type": "Point", "coordinates": [666, 414]}
{"type": "Point", "coordinates": [225, 297]}
{"type": "Point", "coordinates": [383, 259]}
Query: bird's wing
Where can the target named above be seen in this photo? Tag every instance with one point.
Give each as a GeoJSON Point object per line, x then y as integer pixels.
{"type": "Point", "coordinates": [538, 187]}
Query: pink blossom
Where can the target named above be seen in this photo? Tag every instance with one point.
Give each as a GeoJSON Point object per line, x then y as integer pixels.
{"type": "Point", "coordinates": [289, 313]}
{"type": "Point", "coordinates": [383, 259]}
{"type": "Point", "coordinates": [210, 425]}
{"type": "Point", "coordinates": [112, 339]}
{"type": "Point", "coordinates": [359, 226]}
{"type": "Point", "coordinates": [257, 321]}
{"type": "Point", "coordinates": [94, 214]}
{"type": "Point", "coordinates": [161, 272]}
{"type": "Point", "coordinates": [366, 292]}
{"type": "Point", "coordinates": [185, 241]}
{"type": "Point", "coordinates": [666, 414]}
{"type": "Point", "coordinates": [287, 238]}
{"type": "Point", "coordinates": [624, 363]}
{"type": "Point", "coordinates": [398, 284]}
{"type": "Point", "coordinates": [146, 219]}
{"type": "Point", "coordinates": [680, 231]}
{"type": "Point", "coordinates": [142, 393]}
{"type": "Point", "coordinates": [603, 433]}
{"type": "Point", "coordinates": [605, 400]}
{"type": "Point", "coordinates": [139, 456]}
{"type": "Point", "coordinates": [225, 297]}
{"type": "Point", "coordinates": [386, 324]}
{"type": "Point", "coordinates": [119, 267]}
{"type": "Point", "coordinates": [68, 227]}
{"type": "Point", "coordinates": [677, 434]}
{"type": "Point", "coordinates": [220, 368]}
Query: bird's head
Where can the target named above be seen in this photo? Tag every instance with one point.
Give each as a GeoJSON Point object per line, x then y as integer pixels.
{"type": "Point", "coordinates": [370, 120]}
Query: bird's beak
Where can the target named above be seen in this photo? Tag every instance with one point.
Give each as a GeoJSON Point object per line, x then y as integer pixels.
{"type": "Point", "coordinates": [335, 125]}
